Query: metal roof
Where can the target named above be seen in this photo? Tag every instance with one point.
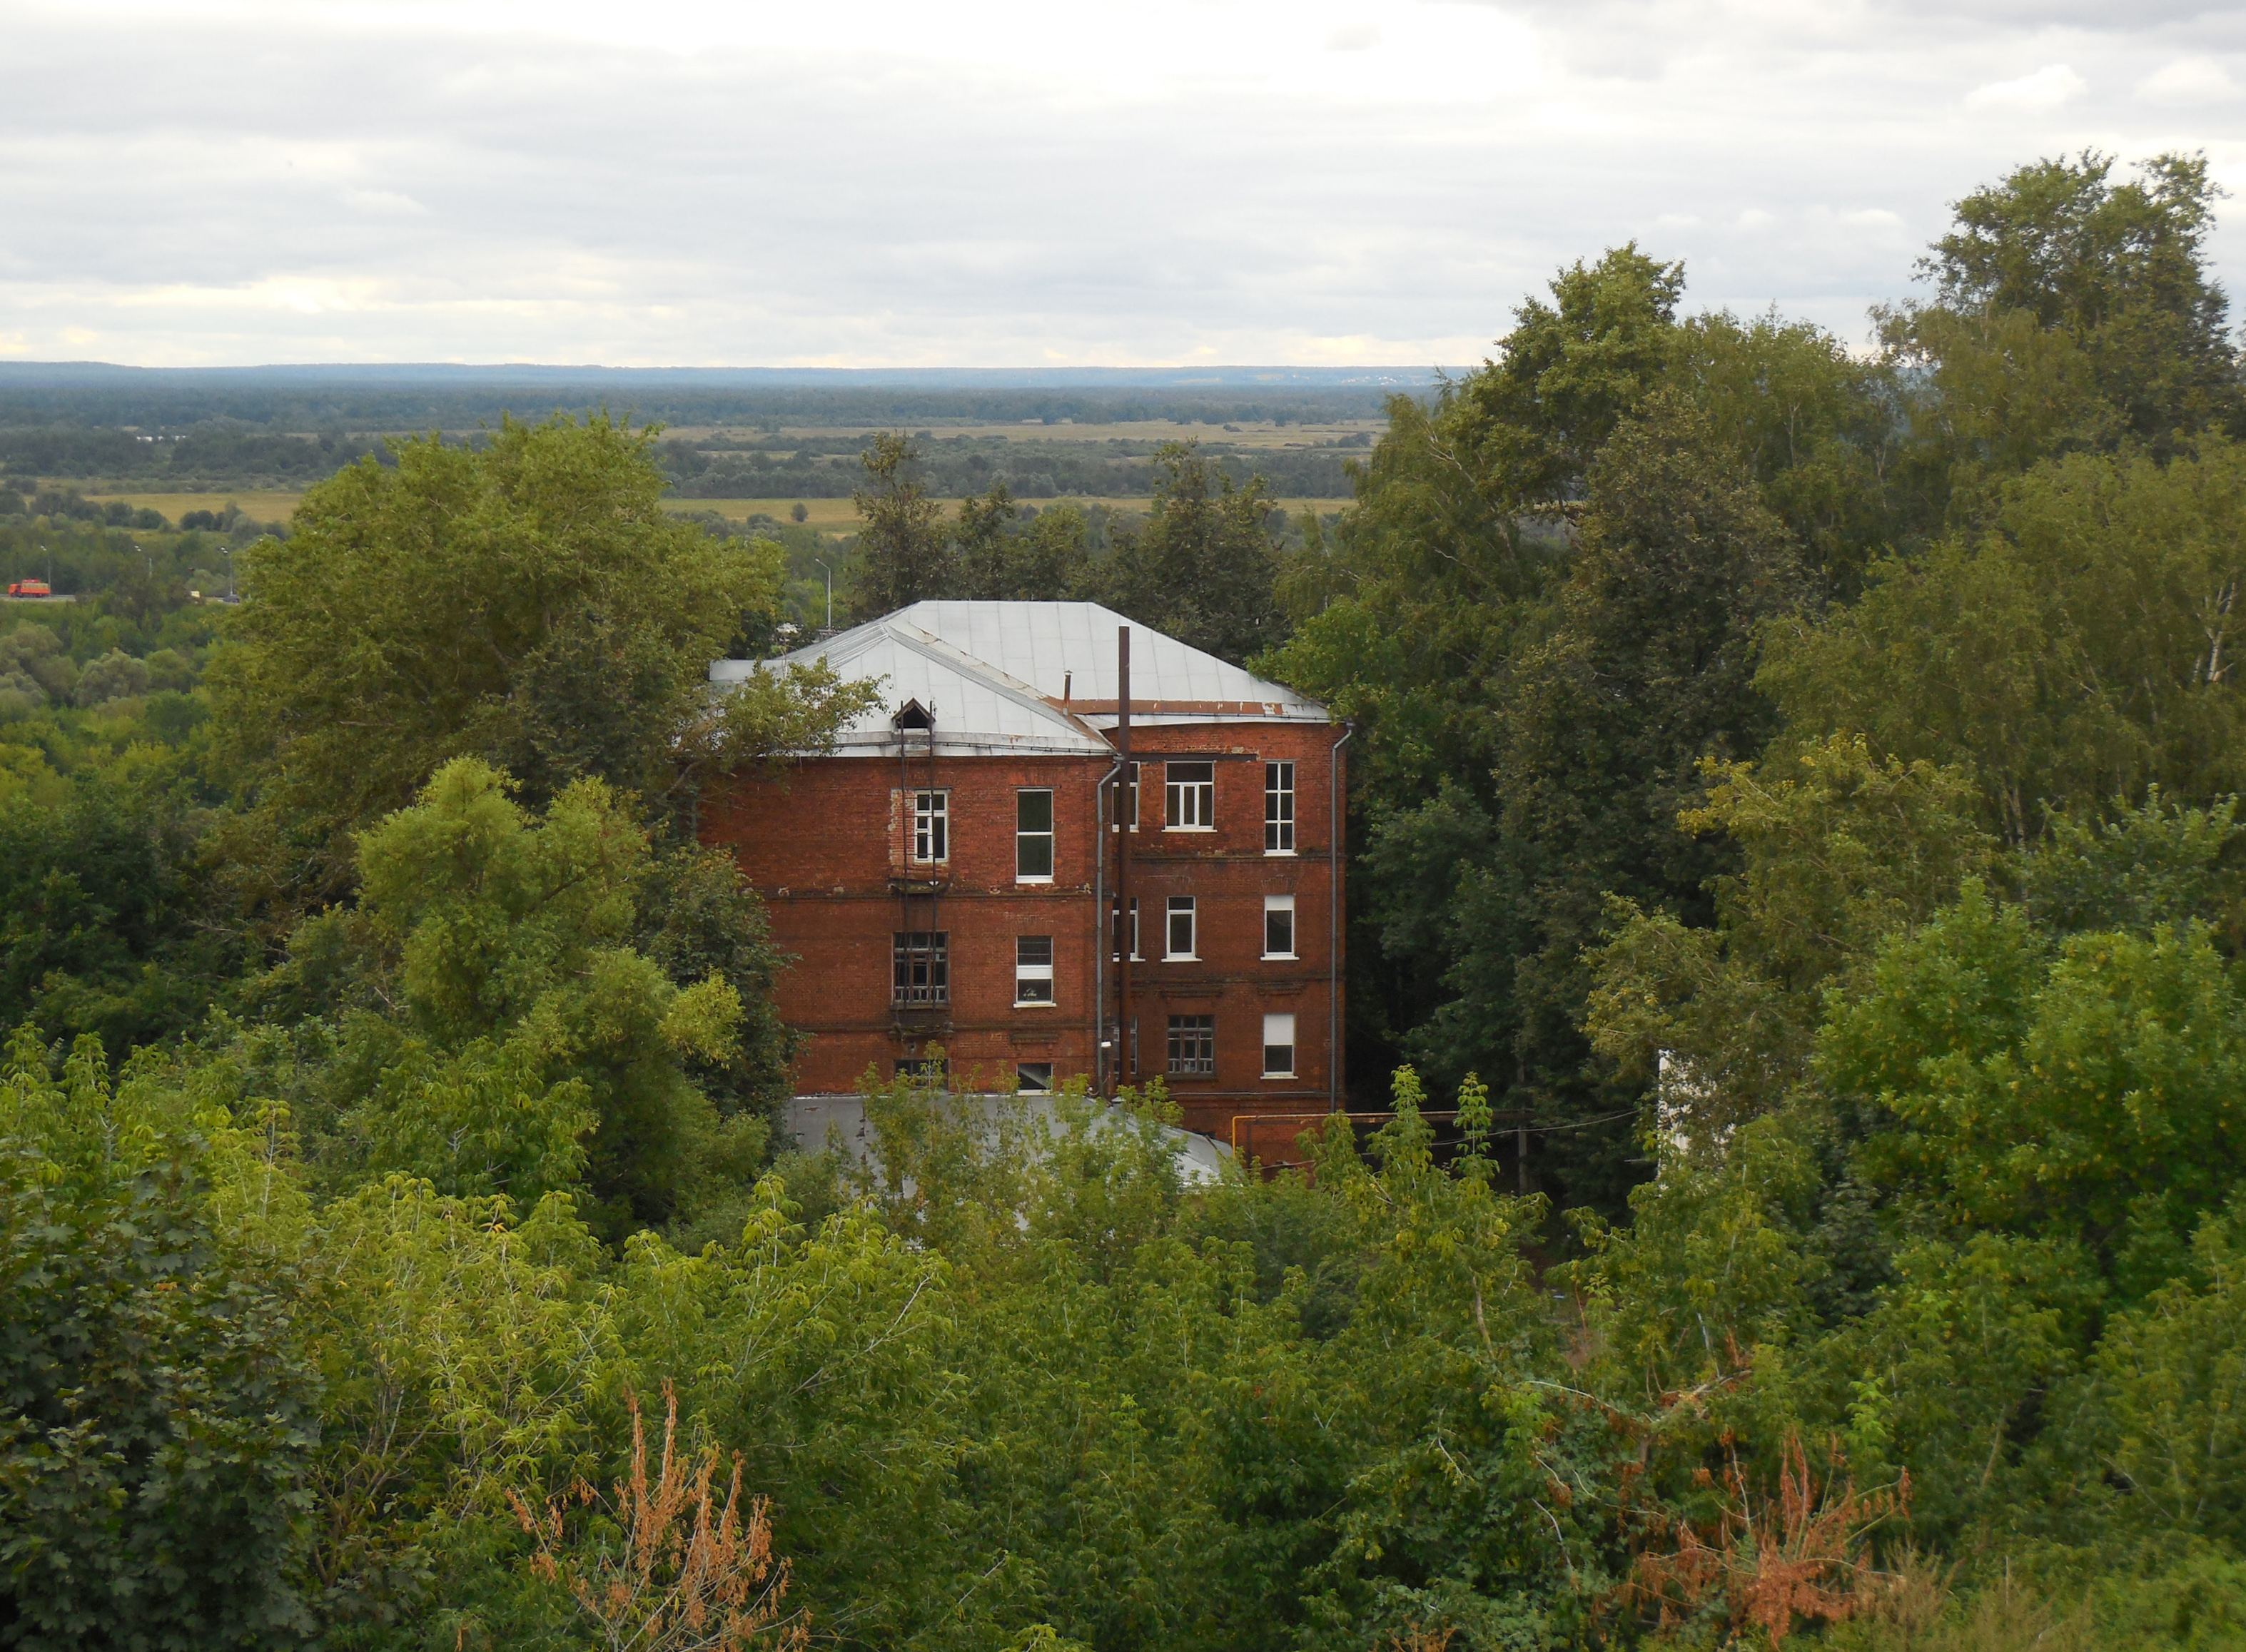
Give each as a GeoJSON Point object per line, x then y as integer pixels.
{"type": "Point", "coordinates": [1030, 677]}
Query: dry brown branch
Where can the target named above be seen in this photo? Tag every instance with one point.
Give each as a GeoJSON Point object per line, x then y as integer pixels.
{"type": "Point", "coordinates": [1771, 1562]}
{"type": "Point", "coordinates": [1417, 1638]}
{"type": "Point", "coordinates": [664, 1567]}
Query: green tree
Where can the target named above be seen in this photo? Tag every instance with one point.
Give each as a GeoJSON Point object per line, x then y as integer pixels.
{"type": "Point", "coordinates": [156, 1411]}
{"type": "Point", "coordinates": [523, 1045]}
{"type": "Point", "coordinates": [2071, 312]}
{"type": "Point", "coordinates": [1202, 569]}
{"type": "Point", "coordinates": [1647, 669]}
{"type": "Point", "coordinates": [905, 554]}
{"type": "Point", "coordinates": [2079, 651]}
{"type": "Point", "coordinates": [529, 603]}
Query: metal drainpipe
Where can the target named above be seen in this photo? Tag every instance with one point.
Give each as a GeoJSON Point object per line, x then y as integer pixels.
{"type": "Point", "coordinates": [1123, 1039]}
{"type": "Point", "coordinates": [1333, 919]}
{"type": "Point", "coordinates": [1103, 930]}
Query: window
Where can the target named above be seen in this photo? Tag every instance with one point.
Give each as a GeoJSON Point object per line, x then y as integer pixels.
{"type": "Point", "coordinates": [1179, 943]}
{"type": "Point", "coordinates": [1127, 809]}
{"type": "Point", "coordinates": [1034, 837]}
{"type": "Point", "coordinates": [932, 1069]}
{"type": "Point", "coordinates": [1193, 1045]}
{"type": "Point", "coordinates": [1129, 921]}
{"type": "Point", "coordinates": [923, 968]}
{"type": "Point", "coordinates": [931, 827]}
{"type": "Point", "coordinates": [1278, 808]}
{"type": "Point", "coordinates": [1033, 1077]}
{"type": "Point", "coordinates": [1278, 926]}
{"type": "Point", "coordinates": [1189, 804]}
{"type": "Point", "coordinates": [1033, 977]}
{"type": "Point", "coordinates": [1278, 1046]}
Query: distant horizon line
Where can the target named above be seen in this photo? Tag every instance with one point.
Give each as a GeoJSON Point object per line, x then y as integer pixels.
{"type": "Point", "coordinates": [59, 374]}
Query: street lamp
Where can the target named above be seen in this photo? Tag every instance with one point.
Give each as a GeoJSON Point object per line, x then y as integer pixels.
{"type": "Point", "coordinates": [227, 551]}
{"type": "Point", "coordinates": [830, 591]}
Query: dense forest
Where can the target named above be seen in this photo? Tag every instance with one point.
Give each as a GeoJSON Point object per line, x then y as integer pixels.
{"type": "Point", "coordinates": [1796, 799]}
{"type": "Point", "coordinates": [205, 460]}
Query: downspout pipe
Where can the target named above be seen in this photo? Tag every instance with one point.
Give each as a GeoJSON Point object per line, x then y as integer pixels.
{"type": "Point", "coordinates": [1124, 1072]}
{"type": "Point", "coordinates": [1333, 918]}
{"type": "Point", "coordinates": [1103, 937]}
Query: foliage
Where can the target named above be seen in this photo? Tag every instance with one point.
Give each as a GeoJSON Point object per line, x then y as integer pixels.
{"type": "Point", "coordinates": [1202, 569]}
{"type": "Point", "coordinates": [529, 603]}
{"type": "Point", "coordinates": [904, 554]}
{"type": "Point", "coordinates": [155, 1413]}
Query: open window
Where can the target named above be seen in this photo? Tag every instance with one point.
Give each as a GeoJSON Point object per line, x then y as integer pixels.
{"type": "Point", "coordinates": [1278, 926]}
{"type": "Point", "coordinates": [1279, 1046]}
{"type": "Point", "coordinates": [1033, 969]}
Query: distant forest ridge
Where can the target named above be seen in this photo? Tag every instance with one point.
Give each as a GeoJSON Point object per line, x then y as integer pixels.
{"type": "Point", "coordinates": [419, 396]}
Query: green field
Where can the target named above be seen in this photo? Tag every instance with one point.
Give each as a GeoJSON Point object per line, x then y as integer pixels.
{"type": "Point", "coordinates": [828, 515]}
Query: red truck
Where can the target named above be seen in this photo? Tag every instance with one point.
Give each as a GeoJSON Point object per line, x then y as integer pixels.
{"type": "Point", "coordinates": [29, 588]}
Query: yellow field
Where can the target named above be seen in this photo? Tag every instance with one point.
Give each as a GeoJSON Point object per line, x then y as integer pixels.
{"type": "Point", "coordinates": [261, 505]}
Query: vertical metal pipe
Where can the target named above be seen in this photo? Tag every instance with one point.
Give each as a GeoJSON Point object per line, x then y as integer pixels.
{"type": "Point", "coordinates": [1333, 920]}
{"type": "Point", "coordinates": [1103, 937]}
{"type": "Point", "coordinates": [1123, 1042]}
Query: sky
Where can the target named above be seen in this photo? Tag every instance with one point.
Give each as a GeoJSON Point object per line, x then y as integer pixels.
{"type": "Point", "coordinates": [888, 183]}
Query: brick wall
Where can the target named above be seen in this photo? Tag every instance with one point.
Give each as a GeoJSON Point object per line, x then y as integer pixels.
{"type": "Point", "coordinates": [825, 844]}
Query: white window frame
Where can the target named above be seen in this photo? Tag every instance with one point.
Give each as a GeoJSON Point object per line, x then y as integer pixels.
{"type": "Point", "coordinates": [1033, 1077]}
{"type": "Point", "coordinates": [1279, 1022]}
{"type": "Point", "coordinates": [1278, 822]}
{"type": "Point", "coordinates": [1279, 903]}
{"type": "Point", "coordinates": [1051, 834]}
{"type": "Point", "coordinates": [1175, 793]}
{"type": "Point", "coordinates": [931, 809]}
{"type": "Point", "coordinates": [1182, 906]}
{"type": "Point", "coordinates": [1034, 975]}
{"type": "Point", "coordinates": [1131, 919]}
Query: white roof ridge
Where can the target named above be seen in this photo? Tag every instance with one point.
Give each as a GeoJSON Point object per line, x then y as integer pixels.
{"type": "Point", "coordinates": [931, 647]}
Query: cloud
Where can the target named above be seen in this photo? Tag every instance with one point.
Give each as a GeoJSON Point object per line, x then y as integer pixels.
{"type": "Point", "coordinates": [1003, 182]}
{"type": "Point", "coordinates": [2047, 88]}
{"type": "Point", "coordinates": [2188, 82]}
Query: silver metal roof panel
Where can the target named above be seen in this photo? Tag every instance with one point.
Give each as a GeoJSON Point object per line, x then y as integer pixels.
{"type": "Point", "coordinates": [995, 673]}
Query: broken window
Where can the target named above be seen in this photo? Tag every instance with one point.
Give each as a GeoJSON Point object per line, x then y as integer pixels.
{"type": "Point", "coordinates": [923, 968]}
{"type": "Point", "coordinates": [1193, 1045]}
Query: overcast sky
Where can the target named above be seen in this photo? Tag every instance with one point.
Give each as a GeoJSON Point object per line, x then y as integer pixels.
{"type": "Point", "coordinates": [1066, 182]}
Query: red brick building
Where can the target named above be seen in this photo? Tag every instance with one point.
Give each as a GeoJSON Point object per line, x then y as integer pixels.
{"type": "Point", "coordinates": [941, 878]}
